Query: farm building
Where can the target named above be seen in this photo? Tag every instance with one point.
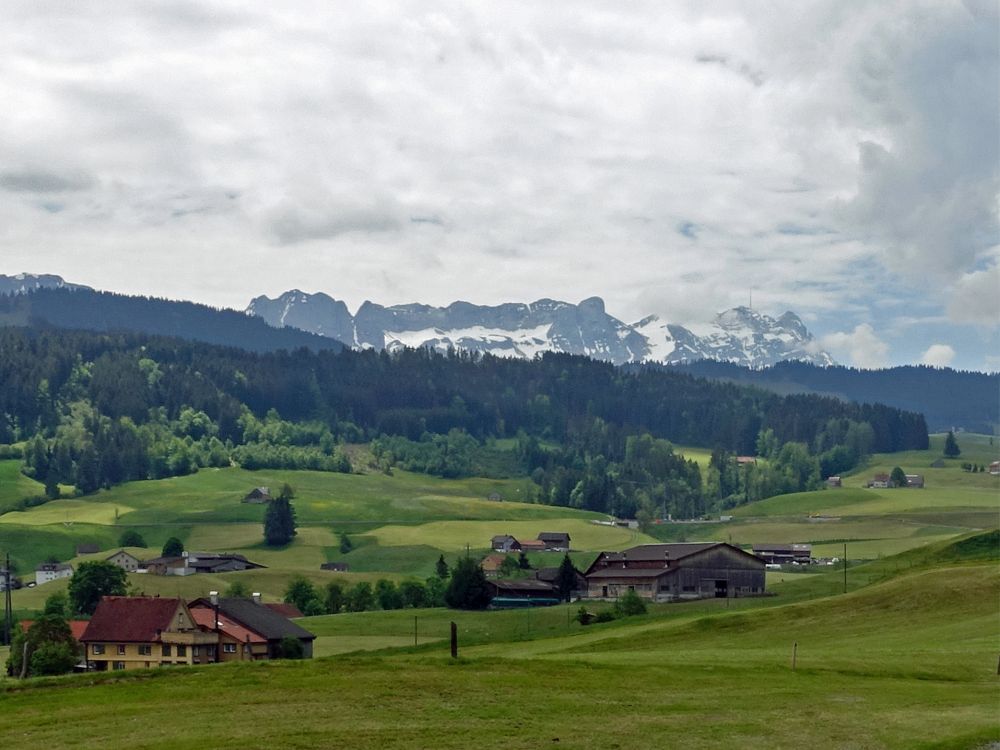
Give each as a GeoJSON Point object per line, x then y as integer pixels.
{"type": "Point", "coordinates": [190, 563]}
{"type": "Point", "coordinates": [87, 548]}
{"type": "Point", "coordinates": [784, 554]}
{"type": "Point", "coordinates": [492, 563]}
{"type": "Point", "coordinates": [504, 543]}
{"type": "Point", "coordinates": [127, 562]}
{"type": "Point", "coordinates": [557, 541]}
{"type": "Point", "coordinates": [915, 480]}
{"type": "Point", "coordinates": [551, 576]}
{"type": "Point", "coordinates": [522, 592]}
{"type": "Point", "coordinates": [249, 629]}
{"type": "Point", "coordinates": [880, 481]}
{"type": "Point", "coordinates": [834, 482]}
{"type": "Point", "coordinates": [51, 572]}
{"type": "Point", "coordinates": [995, 468]}
{"type": "Point", "coordinates": [258, 495]}
{"type": "Point", "coordinates": [335, 565]}
{"type": "Point", "coordinates": [670, 572]}
{"type": "Point", "coordinates": [533, 545]}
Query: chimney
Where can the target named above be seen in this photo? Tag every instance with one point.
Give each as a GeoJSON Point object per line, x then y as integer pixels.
{"type": "Point", "coordinates": [256, 597]}
{"type": "Point", "coordinates": [213, 596]}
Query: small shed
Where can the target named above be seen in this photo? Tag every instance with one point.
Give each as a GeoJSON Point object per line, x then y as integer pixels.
{"type": "Point", "coordinates": [834, 482]}
{"type": "Point", "coordinates": [557, 541]}
{"type": "Point", "coordinates": [335, 565]}
{"type": "Point", "coordinates": [87, 548]}
{"type": "Point", "coordinates": [258, 495]}
{"type": "Point", "coordinates": [915, 480]}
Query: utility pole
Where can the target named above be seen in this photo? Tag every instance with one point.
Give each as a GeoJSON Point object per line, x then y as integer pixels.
{"type": "Point", "coordinates": [8, 610]}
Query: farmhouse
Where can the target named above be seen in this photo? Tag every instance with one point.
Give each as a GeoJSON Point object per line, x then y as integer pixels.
{"type": "Point", "coordinates": [784, 554]}
{"type": "Point", "coordinates": [248, 629]}
{"type": "Point", "coordinates": [51, 572]}
{"type": "Point", "coordinates": [504, 543]}
{"type": "Point", "coordinates": [258, 495]}
{"type": "Point", "coordinates": [557, 541]}
{"type": "Point", "coordinates": [125, 561]}
{"type": "Point", "coordinates": [880, 481]}
{"type": "Point", "coordinates": [136, 632]}
{"type": "Point", "coordinates": [491, 565]}
{"type": "Point", "coordinates": [669, 572]}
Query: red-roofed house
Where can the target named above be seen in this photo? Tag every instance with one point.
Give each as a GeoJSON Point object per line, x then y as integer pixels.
{"type": "Point", "coordinates": [134, 632]}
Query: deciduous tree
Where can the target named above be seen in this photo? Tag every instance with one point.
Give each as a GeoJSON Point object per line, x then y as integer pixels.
{"type": "Point", "coordinates": [91, 581]}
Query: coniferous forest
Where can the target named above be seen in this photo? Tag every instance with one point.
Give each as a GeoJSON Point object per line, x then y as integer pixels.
{"type": "Point", "coordinates": [95, 409]}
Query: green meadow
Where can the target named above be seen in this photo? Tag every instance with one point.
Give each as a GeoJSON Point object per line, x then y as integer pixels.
{"type": "Point", "coordinates": [906, 659]}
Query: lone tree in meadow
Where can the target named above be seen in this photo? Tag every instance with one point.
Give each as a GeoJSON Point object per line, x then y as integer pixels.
{"type": "Point", "coordinates": [951, 449]}
{"type": "Point", "coordinates": [279, 522]}
{"type": "Point", "coordinates": [173, 547]}
{"type": "Point", "coordinates": [898, 477]}
{"type": "Point", "coordinates": [91, 581]}
{"type": "Point", "coordinates": [131, 538]}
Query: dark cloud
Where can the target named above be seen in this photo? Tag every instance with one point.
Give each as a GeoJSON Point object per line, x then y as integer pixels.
{"type": "Point", "coordinates": [43, 181]}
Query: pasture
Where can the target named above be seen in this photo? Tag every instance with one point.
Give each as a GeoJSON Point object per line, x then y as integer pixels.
{"type": "Point", "coordinates": [908, 662]}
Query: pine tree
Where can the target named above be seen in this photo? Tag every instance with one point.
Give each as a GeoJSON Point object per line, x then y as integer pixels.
{"type": "Point", "coordinates": [441, 568]}
{"type": "Point", "coordinates": [951, 449]}
{"type": "Point", "coordinates": [468, 588]}
{"type": "Point", "coordinates": [279, 522]}
{"type": "Point", "coordinates": [566, 578]}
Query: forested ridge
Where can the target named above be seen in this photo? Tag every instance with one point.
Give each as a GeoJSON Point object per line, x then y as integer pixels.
{"type": "Point", "coordinates": [97, 409]}
{"type": "Point", "coordinates": [947, 398]}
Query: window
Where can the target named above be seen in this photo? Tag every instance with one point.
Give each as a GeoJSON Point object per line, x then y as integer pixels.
{"type": "Point", "coordinates": [97, 648]}
{"type": "Point", "coordinates": [119, 665]}
{"type": "Point", "coordinates": [181, 650]}
{"type": "Point", "coordinates": [166, 649]}
{"type": "Point", "coordinates": [145, 650]}
{"type": "Point", "coordinates": [229, 648]}
{"type": "Point", "coordinates": [689, 588]}
{"type": "Point", "coordinates": [121, 649]}
{"type": "Point", "coordinates": [196, 651]}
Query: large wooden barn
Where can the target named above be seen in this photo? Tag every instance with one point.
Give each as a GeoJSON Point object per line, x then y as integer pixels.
{"type": "Point", "coordinates": [670, 572]}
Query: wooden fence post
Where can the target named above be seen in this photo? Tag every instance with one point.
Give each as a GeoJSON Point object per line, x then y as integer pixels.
{"type": "Point", "coordinates": [454, 641]}
{"type": "Point", "coordinates": [795, 650]}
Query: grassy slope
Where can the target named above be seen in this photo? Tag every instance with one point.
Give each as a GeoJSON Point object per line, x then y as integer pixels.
{"type": "Point", "coordinates": [14, 485]}
{"type": "Point", "coordinates": [908, 663]}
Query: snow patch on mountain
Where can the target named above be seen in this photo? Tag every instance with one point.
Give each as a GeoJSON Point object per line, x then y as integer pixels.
{"type": "Point", "coordinates": [23, 283]}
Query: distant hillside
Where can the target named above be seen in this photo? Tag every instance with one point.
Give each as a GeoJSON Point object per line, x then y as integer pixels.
{"type": "Point", "coordinates": [86, 309]}
{"type": "Point", "coordinates": [947, 398]}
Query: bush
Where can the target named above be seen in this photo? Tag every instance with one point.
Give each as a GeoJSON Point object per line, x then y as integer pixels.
{"type": "Point", "coordinates": [606, 615]}
{"type": "Point", "coordinates": [131, 538]}
{"type": "Point", "coordinates": [630, 604]}
{"type": "Point", "coordinates": [291, 648]}
{"type": "Point", "coordinates": [173, 547]}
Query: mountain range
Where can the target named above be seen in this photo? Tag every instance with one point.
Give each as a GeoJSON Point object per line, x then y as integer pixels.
{"type": "Point", "coordinates": [740, 336]}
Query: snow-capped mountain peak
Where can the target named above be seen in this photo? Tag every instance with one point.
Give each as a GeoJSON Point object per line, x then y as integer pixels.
{"type": "Point", "coordinates": [741, 335]}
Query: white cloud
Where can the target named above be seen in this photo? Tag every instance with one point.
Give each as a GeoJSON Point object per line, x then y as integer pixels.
{"type": "Point", "coordinates": [976, 298]}
{"type": "Point", "coordinates": [667, 157]}
{"type": "Point", "coordinates": [938, 355]}
{"type": "Point", "coordinates": [861, 347]}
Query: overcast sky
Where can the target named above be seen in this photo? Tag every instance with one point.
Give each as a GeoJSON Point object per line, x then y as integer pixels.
{"type": "Point", "coordinates": [840, 158]}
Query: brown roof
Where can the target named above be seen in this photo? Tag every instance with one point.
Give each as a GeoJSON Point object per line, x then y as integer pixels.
{"type": "Point", "coordinates": [553, 536]}
{"type": "Point", "coordinates": [531, 544]}
{"type": "Point", "coordinates": [130, 619]}
{"type": "Point", "coordinates": [284, 609]}
{"type": "Point", "coordinates": [522, 584]}
{"type": "Point", "coordinates": [76, 627]}
{"type": "Point", "coordinates": [493, 562]}
{"type": "Point", "coordinates": [630, 572]}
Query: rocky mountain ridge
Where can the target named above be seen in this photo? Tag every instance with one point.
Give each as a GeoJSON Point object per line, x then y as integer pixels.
{"type": "Point", "coordinates": [740, 336]}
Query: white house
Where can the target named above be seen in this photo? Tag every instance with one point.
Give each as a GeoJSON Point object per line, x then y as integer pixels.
{"type": "Point", "coordinates": [52, 571]}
